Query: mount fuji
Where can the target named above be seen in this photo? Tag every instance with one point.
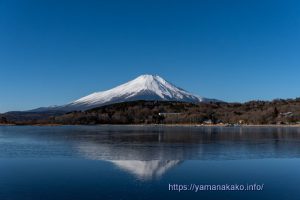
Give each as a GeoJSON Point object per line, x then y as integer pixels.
{"type": "Point", "coordinates": [144, 87]}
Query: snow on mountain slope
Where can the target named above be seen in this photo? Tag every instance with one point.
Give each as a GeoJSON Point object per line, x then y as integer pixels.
{"type": "Point", "coordinates": [144, 87]}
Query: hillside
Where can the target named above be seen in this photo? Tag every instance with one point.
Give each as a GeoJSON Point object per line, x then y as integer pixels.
{"type": "Point", "coordinates": [168, 112]}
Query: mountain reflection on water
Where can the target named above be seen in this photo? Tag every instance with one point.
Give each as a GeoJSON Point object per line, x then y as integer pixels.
{"type": "Point", "coordinates": [146, 169]}
{"type": "Point", "coordinates": [150, 151]}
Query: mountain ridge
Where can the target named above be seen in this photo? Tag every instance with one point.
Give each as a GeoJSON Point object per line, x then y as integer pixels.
{"type": "Point", "coordinates": [144, 87]}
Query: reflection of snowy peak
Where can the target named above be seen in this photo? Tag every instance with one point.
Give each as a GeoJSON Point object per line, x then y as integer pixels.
{"type": "Point", "coordinates": [146, 169]}
{"type": "Point", "coordinates": [144, 87]}
{"type": "Point", "coordinates": [141, 163]}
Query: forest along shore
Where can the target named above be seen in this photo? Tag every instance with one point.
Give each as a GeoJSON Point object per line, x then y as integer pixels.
{"type": "Point", "coordinates": [276, 112]}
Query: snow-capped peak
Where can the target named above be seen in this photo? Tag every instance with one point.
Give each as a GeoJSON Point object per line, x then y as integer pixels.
{"type": "Point", "coordinates": [144, 87]}
{"type": "Point", "coordinates": [155, 84]}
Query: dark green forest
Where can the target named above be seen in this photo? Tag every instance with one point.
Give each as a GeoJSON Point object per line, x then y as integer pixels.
{"type": "Point", "coordinates": [278, 111]}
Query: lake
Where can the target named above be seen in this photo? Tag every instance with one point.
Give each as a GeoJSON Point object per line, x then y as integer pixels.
{"type": "Point", "coordinates": [148, 162]}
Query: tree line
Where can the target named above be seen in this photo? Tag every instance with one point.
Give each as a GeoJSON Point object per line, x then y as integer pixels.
{"type": "Point", "coordinates": [279, 111]}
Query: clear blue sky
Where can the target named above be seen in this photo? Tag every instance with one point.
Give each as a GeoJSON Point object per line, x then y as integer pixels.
{"type": "Point", "coordinates": [53, 52]}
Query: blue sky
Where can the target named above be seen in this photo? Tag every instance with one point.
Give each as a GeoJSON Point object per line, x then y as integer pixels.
{"type": "Point", "coordinates": [53, 52]}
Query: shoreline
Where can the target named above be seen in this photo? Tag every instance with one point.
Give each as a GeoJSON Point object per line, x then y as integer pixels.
{"type": "Point", "coordinates": [166, 125]}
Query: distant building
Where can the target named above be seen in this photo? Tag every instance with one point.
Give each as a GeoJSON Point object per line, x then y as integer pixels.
{"type": "Point", "coordinates": [168, 114]}
{"type": "Point", "coordinates": [241, 121]}
{"type": "Point", "coordinates": [287, 114]}
{"type": "Point", "coordinates": [209, 121]}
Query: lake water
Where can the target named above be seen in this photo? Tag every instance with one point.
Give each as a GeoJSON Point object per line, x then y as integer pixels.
{"type": "Point", "coordinates": [143, 162]}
